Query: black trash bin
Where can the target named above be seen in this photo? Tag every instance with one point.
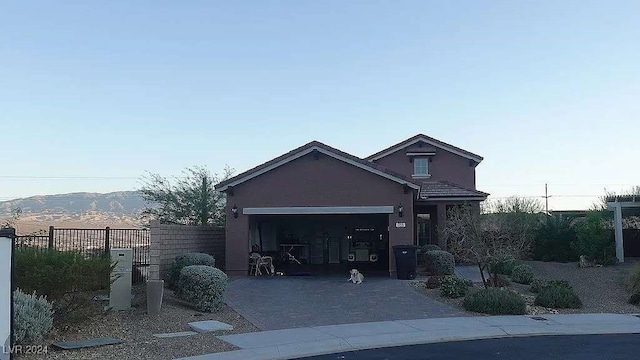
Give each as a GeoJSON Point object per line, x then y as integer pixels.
{"type": "Point", "coordinates": [406, 261]}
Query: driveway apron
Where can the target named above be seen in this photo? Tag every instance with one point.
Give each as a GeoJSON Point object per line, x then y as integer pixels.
{"type": "Point", "coordinates": [289, 302]}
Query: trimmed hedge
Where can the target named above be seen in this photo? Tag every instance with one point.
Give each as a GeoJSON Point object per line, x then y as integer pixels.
{"type": "Point", "coordinates": [430, 247]}
{"type": "Point", "coordinates": [203, 286]}
{"type": "Point", "coordinates": [187, 259]}
{"type": "Point", "coordinates": [452, 286]}
{"type": "Point", "coordinates": [439, 262]}
{"type": "Point", "coordinates": [522, 274]}
{"type": "Point", "coordinates": [495, 302]}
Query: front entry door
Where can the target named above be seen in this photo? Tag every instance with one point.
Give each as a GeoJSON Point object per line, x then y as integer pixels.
{"type": "Point", "coordinates": [423, 231]}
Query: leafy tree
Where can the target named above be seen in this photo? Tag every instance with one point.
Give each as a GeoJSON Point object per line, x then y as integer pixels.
{"type": "Point", "coordinates": [188, 200]}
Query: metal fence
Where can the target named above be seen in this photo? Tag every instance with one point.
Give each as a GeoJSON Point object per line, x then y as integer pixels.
{"type": "Point", "coordinates": [94, 242]}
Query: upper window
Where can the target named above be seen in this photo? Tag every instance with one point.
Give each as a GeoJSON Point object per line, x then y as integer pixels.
{"type": "Point", "coordinates": [420, 166]}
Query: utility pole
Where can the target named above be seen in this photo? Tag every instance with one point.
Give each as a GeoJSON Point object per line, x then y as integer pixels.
{"type": "Point", "coordinates": [546, 199]}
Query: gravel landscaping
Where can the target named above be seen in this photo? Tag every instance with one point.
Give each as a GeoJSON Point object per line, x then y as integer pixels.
{"type": "Point", "coordinates": [601, 289]}
{"type": "Point", "coordinates": [136, 329]}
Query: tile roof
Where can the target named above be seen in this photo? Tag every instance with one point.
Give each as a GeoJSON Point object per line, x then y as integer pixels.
{"type": "Point", "coordinates": [439, 189]}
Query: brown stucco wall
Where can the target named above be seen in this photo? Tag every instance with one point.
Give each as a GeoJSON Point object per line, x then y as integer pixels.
{"type": "Point", "coordinates": [445, 166]}
{"type": "Point", "coordinates": [309, 182]}
{"type": "Point", "coordinates": [168, 241]}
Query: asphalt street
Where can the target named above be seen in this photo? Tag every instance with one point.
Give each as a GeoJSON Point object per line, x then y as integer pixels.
{"type": "Point", "coordinates": [570, 347]}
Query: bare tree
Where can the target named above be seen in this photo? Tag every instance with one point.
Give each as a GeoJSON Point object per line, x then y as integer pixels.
{"type": "Point", "coordinates": [189, 200]}
{"type": "Point", "coordinates": [483, 238]}
{"type": "Point", "coordinates": [513, 205]}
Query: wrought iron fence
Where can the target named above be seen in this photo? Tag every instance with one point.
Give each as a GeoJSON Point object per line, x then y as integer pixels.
{"type": "Point", "coordinates": [94, 242]}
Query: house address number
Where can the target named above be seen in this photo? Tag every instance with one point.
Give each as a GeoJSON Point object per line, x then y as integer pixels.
{"type": "Point", "coordinates": [401, 225]}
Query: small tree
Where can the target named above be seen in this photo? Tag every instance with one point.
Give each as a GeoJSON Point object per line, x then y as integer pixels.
{"type": "Point", "coordinates": [190, 200]}
{"type": "Point", "coordinates": [483, 238]}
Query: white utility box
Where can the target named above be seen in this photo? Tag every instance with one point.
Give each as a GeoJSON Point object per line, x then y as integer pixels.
{"type": "Point", "coordinates": [6, 239]}
{"type": "Point", "coordinates": [120, 291]}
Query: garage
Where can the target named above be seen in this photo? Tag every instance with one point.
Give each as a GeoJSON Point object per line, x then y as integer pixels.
{"type": "Point", "coordinates": [325, 241]}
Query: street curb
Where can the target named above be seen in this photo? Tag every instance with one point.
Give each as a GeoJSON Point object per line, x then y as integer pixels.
{"type": "Point", "coordinates": [495, 327]}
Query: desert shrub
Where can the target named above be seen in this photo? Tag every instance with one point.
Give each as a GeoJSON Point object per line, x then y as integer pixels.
{"type": "Point", "coordinates": [452, 286]}
{"type": "Point", "coordinates": [559, 297]}
{"type": "Point", "coordinates": [555, 241]}
{"type": "Point", "coordinates": [522, 274]}
{"type": "Point", "coordinates": [538, 284]}
{"type": "Point", "coordinates": [439, 262]}
{"type": "Point", "coordinates": [633, 284]}
{"type": "Point", "coordinates": [33, 317]}
{"type": "Point", "coordinates": [498, 280]}
{"type": "Point", "coordinates": [433, 282]}
{"type": "Point", "coordinates": [65, 278]}
{"type": "Point", "coordinates": [595, 241]}
{"type": "Point", "coordinates": [203, 286]}
{"type": "Point", "coordinates": [502, 265]}
{"type": "Point", "coordinates": [496, 302]}
{"type": "Point", "coordinates": [187, 259]}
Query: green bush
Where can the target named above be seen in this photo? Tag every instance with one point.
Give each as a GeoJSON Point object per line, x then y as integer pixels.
{"type": "Point", "coordinates": [495, 302]}
{"type": "Point", "coordinates": [439, 262]}
{"type": "Point", "coordinates": [558, 297]}
{"type": "Point", "coordinates": [503, 265]}
{"type": "Point", "coordinates": [33, 317]}
{"type": "Point", "coordinates": [430, 247]}
{"type": "Point", "coordinates": [555, 241]}
{"type": "Point", "coordinates": [452, 286]}
{"type": "Point", "coordinates": [594, 240]}
{"type": "Point", "coordinates": [203, 286]}
{"type": "Point", "coordinates": [65, 278]}
{"type": "Point", "coordinates": [522, 274]}
{"type": "Point", "coordinates": [538, 284]}
{"type": "Point", "coordinates": [433, 282]}
{"type": "Point", "coordinates": [187, 259]}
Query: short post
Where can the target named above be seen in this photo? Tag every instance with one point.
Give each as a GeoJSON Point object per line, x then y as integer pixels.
{"type": "Point", "coordinates": [107, 245]}
{"type": "Point", "coordinates": [50, 237]}
{"type": "Point", "coordinates": [6, 292]}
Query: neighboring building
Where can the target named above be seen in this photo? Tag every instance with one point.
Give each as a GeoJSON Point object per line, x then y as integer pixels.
{"type": "Point", "coordinates": [334, 210]}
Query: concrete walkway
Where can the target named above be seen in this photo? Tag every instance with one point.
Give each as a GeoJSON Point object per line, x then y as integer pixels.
{"type": "Point", "coordinates": [318, 340]}
{"type": "Point", "coordinates": [273, 303]}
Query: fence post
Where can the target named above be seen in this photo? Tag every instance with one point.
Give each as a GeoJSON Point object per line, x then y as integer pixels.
{"type": "Point", "coordinates": [50, 237]}
{"type": "Point", "coordinates": [107, 246]}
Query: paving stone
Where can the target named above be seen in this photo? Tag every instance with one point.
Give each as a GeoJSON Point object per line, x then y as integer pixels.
{"type": "Point", "coordinates": [175, 334]}
{"type": "Point", "coordinates": [326, 300]}
{"type": "Point", "coordinates": [68, 345]}
{"type": "Point", "coordinates": [209, 325]}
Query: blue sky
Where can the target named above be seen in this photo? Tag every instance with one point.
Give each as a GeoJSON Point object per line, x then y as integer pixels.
{"type": "Point", "coordinates": [94, 93]}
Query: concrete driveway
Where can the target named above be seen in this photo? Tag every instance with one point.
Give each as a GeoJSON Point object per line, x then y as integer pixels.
{"type": "Point", "coordinates": [273, 303]}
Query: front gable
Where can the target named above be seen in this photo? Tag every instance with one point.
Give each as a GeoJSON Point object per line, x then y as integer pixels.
{"type": "Point", "coordinates": [315, 150]}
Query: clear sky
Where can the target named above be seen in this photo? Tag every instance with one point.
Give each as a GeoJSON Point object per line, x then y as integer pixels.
{"type": "Point", "coordinates": [94, 93]}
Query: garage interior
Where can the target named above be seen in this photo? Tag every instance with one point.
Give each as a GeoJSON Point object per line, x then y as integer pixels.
{"type": "Point", "coordinates": [323, 243]}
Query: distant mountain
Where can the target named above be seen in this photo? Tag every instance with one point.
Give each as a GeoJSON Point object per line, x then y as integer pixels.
{"type": "Point", "coordinates": [121, 203]}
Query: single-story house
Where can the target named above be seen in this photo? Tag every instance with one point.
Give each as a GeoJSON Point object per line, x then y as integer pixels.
{"type": "Point", "coordinates": [333, 210]}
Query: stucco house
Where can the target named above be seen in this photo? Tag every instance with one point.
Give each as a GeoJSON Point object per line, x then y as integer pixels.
{"type": "Point", "coordinates": [334, 210]}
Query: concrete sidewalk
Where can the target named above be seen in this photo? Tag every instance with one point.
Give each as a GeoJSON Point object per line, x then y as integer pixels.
{"type": "Point", "coordinates": [310, 341]}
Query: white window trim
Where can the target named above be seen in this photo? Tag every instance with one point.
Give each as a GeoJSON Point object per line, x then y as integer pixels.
{"type": "Point", "coordinates": [425, 175]}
